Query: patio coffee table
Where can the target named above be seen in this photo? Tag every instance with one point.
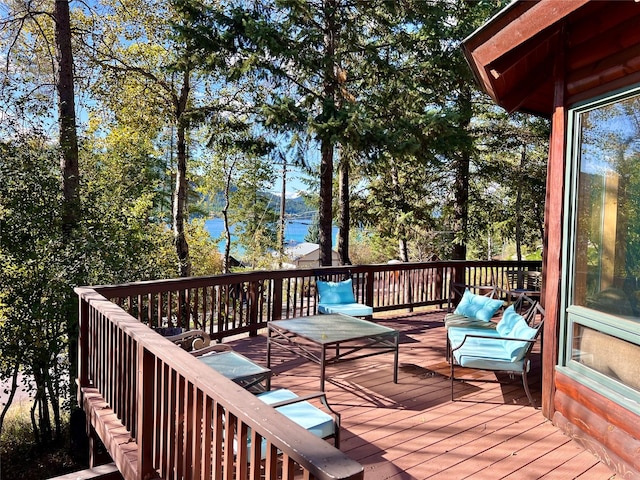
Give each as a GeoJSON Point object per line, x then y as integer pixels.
{"type": "Point", "coordinates": [240, 369]}
{"type": "Point", "coordinates": [329, 339]}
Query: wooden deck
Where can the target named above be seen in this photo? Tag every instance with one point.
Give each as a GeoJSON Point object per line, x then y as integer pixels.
{"type": "Point", "coordinates": [412, 430]}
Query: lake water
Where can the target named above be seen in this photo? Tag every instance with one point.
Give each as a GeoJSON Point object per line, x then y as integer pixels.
{"type": "Point", "coordinates": [294, 232]}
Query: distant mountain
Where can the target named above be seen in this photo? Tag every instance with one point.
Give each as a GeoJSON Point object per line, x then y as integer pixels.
{"type": "Point", "coordinates": [294, 207]}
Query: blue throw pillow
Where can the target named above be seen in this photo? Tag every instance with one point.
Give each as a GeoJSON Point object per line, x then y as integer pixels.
{"type": "Point", "coordinates": [507, 322]}
{"type": "Point", "coordinates": [520, 330]}
{"type": "Point", "coordinates": [332, 293]}
{"type": "Point", "coordinates": [477, 306]}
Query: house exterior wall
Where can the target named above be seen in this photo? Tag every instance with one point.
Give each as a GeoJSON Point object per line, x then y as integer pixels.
{"type": "Point", "coordinates": [312, 259]}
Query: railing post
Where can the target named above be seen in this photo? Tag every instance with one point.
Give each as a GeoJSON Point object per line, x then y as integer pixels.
{"type": "Point", "coordinates": [408, 275]}
{"type": "Point", "coordinates": [459, 270]}
{"type": "Point", "coordinates": [146, 420]}
{"type": "Point", "coordinates": [437, 285]}
{"type": "Point", "coordinates": [368, 287]}
{"type": "Point", "coordinates": [277, 299]}
{"type": "Point", "coordinates": [253, 310]}
{"type": "Point", "coordinates": [182, 311]}
{"type": "Point", "coordinates": [83, 348]}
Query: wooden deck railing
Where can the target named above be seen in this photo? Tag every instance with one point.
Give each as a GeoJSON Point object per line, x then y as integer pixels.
{"type": "Point", "coordinates": [162, 414]}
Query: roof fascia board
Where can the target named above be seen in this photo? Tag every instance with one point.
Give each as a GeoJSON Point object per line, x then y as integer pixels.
{"type": "Point", "coordinates": [517, 23]}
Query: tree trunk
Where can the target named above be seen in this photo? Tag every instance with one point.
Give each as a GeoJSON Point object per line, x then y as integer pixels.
{"type": "Point", "coordinates": [283, 210]}
{"type": "Point", "coordinates": [325, 214]}
{"type": "Point", "coordinates": [226, 267]}
{"type": "Point", "coordinates": [460, 210]}
{"type": "Point", "coordinates": [523, 158]}
{"type": "Point", "coordinates": [343, 222]}
{"type": "Point", "coordinates": [180, 196]}
{"type": "Point", "coordinates": [11, 391]}
{"type": "Point", "coordinates": [67, 119]}
{"type": "Point", "coordinates": [325, 219]}
{"type": "Point", "coordinates": [398, 197]}
{"type": "Point", "coordinates": [461, 181]}
{"type": "Point", "coordinates": [69, 168]}
{"type": "Point", "coordinates": [403, 249]}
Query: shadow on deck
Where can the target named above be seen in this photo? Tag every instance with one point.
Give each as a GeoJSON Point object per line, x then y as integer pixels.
{"type": "Point", "coordinates": [412, 429]}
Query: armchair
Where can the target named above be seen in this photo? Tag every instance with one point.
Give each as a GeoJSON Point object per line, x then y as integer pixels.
{"type": "Point", "coordinates": [505, 348]}
{"type": "Point", "coordinates": [191, 340]}
{"type": "Point", "coordinates": [338, 297]}
{"type": "Point", "coordinates": [249, 375]}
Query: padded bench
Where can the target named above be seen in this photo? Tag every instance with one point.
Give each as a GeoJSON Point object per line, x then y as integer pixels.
{"type": "Point", "coordinates": [503, 346]}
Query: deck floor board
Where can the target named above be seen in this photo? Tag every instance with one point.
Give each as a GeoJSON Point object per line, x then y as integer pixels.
{"type": "Point", "coordinates": [412, 430]}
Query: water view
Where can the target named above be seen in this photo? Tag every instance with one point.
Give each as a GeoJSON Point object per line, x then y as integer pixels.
{"type": "Point", "coordinates": [294, 232]}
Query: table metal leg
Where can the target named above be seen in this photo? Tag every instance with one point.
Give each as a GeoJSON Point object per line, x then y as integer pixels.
{"type": "Point", "coordinates": [269, 350]}
{"type": "Point", "coordinates": [323, 366]}
{"type": "Point", "coordinates": [395, 359]}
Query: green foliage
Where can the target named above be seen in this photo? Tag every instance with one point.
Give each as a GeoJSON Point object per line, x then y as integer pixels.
{"type": "Point", "coordinates": [311, 66]}
{"type": "Point", "coordinates": [366, 249]}
{"type": "Point", "coordinates": [429, 184]}
{"type": "Point", "coordinates": [385, 81]}
{"type": "Point", "coordinates": [507, 188]}
{"type": "Point", "coordinates": [37, 271]}
{"type": "Point", "coordinates": [206, 258]}
{"type": "Point", "coordinates": [21, 457]}
{"type": "Point", "coordinates": [242, 170]}
{"type": "Point", "coordinates": [122, 216]}
{"type": "Point", "coordinates": [120, 239]}
{"type": "Point", "coordinates": [313, 233]}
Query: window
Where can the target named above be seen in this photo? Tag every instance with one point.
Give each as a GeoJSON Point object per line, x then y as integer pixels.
{"type": "Point", "coordinates": [607, 265]}
{"type": "Point", "coordinates": [602, 297]}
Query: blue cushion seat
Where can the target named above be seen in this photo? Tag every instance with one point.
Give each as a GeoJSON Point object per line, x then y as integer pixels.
{"type": "Point", "coordinates": [303, 413]}
{"type": "Point", "coordinates": [353, 309]}
{"type": "Point", "coordinates": [487, 354]}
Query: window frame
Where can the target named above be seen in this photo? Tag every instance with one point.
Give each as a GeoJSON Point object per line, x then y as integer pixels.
{"type": "Point", "coordinates": [570, 314]}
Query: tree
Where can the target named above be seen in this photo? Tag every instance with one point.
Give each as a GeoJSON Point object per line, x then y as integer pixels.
{"type": "Point", "coordinates": [29, 26]}
{"type": "Point", "coordinates": [131, 44]}
{"type": "Point", "coordinates": [420, 116]}
{"type": "Point", "coordinates": [67, 132]}
{"type": "Point", "coordinates": [441, 27]}
{"type": "Point", "coordinates": [300, 55]}
{"type": "Point", "coordinates": [51, 240]}
{"type": "Point", "coordinates": [36, 264]}
{"type": "Point", "coordinates": [240, 168]}
{"type": "Point", "coordinates": [343, 208]}
{"type": "Point", "coordinates": [508, 188]}
{"type": "Point", "coordinates": [122, 177]}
